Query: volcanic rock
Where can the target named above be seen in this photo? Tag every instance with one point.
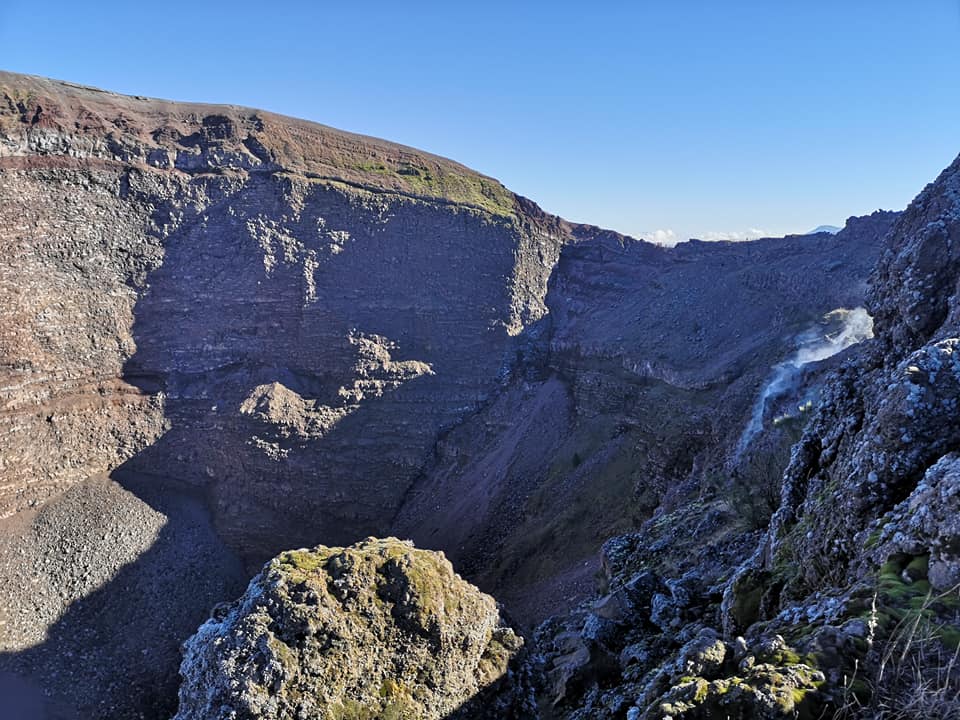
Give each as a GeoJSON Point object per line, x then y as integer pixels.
{"type": "Point", "coordinates": [376, 630]}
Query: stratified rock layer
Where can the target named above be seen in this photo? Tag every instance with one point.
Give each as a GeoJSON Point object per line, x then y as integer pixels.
{"type": "Point", "coordinates": [272, 317]}
{"type": "Point", "coordinates": [376, 630]}
{"type": "Point", "coordinates": [269, 309]}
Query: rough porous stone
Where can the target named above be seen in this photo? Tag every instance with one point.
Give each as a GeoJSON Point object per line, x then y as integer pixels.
{"type": "Point", "coordinates": [376, 630]}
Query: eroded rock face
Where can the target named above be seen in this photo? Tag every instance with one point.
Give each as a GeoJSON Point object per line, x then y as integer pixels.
{"type": "Point", "coordinates": [269, 309]}
{"type": "Point", "coordinates": [276, 318]}
{"type": "Point", "coordinates": [631, 395]}
{"type": "Point", "coordinates": [864, 542]}
{"type": "Point", "coordinates": [376, 630]}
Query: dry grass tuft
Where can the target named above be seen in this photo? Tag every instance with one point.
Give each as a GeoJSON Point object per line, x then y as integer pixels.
{"type": "Point", "coordinates": [909, 675]}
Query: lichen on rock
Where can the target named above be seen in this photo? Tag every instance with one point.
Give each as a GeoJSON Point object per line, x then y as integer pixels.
{"type": "Point", "coordinates": [376, 630]}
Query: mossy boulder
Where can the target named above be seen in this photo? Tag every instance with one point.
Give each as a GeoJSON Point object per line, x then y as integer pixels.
{"type": "Point", "coordinates": [905, 595]}
{"type": "Point", "coordinates": [704, 655]}
{"type": "Point", "coordinates": [925, 526]}
{"type": "Point", "coordinates": [763, 692]}
{"type": "Point", "coordinates": [743, 599]}
{"type": "Point", "coordinates": [376, 630]}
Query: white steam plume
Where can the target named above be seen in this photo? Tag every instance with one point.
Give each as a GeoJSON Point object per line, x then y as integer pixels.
{"type": "Point", "coordinates": [838, 330]}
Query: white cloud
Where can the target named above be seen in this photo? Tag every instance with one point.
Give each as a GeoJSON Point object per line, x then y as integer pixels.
{"type": "Point", "coordinates": [666, 237]}
{"type": "Point", "coordinates": [749, 234]}
{"type": "Point", "coordinates": [670, 237]}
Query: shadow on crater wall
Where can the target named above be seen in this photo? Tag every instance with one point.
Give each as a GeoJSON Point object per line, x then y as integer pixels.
{"type": "Point", "coordinates": [242, 300]}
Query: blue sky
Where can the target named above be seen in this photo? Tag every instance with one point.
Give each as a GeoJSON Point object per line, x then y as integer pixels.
{"type": "Point", "coordinates": [692, 118]}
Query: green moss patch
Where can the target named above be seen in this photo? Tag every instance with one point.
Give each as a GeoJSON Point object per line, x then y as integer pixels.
{"type": "Point", "coordinates": [766, 691]}
{"type": "Point", "coordinates": [904, 595]}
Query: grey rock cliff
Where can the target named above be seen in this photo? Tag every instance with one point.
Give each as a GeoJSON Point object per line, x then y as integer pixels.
{"type": "Point", "coordinates": [150, 303]}
{"type": "Point", "coordinates": [266, 314]}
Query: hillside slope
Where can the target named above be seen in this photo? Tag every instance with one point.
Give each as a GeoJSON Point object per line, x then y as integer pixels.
{"type": "Point", "coordinates": [630, 398]}
{"type": "Point", "coordinates": [248, 333]}
{"type": "Point", "coordinates": [847, 605]}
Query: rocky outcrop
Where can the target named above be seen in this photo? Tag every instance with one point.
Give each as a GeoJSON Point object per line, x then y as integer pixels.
{"type": "Point", "coordinates": [848, 605]}
{"type": "Point", "coordinates": [376, 630]}
{"type": "Point", "coordinates": [869, 494]}
{"type": "Point", "coordinates": [890, 417]}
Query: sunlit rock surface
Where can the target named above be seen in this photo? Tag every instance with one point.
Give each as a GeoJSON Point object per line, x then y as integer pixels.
{"type": "Point", "coordinates": [376, 630]}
